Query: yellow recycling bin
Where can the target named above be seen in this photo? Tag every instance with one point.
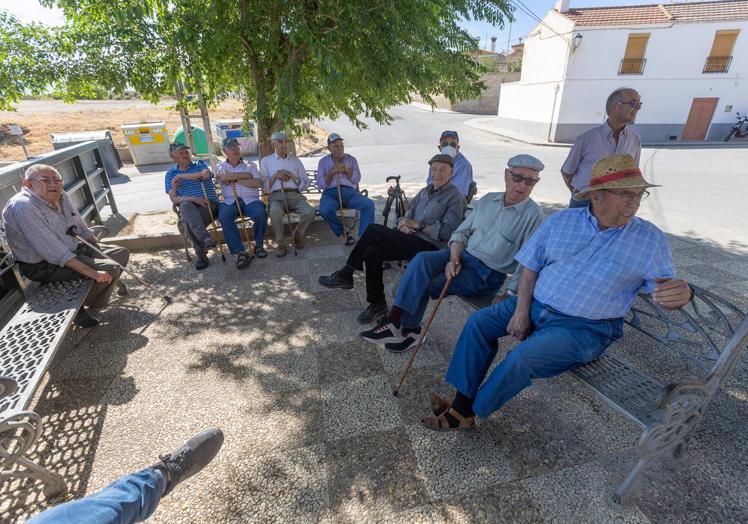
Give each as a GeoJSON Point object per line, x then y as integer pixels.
{"type": "Point", "coordinates": [148, 142]}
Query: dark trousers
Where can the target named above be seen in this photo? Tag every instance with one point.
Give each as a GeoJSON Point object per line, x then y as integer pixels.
{"type": "Point", "coordinates": [98, 296]}
{"type": "Point", "coordinates": [378, 244]}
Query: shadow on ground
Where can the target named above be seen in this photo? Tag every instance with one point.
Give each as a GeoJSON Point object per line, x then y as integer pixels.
{"type": "Point", "coordinates": [314, 433]}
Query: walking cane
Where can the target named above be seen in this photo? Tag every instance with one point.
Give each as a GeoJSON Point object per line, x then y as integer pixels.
{"type": "Point", "coordinates": [346, 233]}
{"type": "Point", "coordinates": [288, 214]}
{"type": "Point", "coordinates": [213, 221]}
{"type": "Point", "coordinates": [423, 335]}
{"type": "Point", "coordinates": [241, 214]}
{"type": "Point", "coordinates": [71, 231]}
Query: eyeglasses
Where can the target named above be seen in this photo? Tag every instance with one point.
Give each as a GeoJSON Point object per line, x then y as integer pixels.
{"type": "Point", "coordinates": [47, 180]}
{"type": "Point", "coordinates": [528, 180]}
{"type": "Point", "coordinates": [628, 196]}
{"type": "Point", "coordinates": [633, 104]}
{"type": "Point", "coordinates": [444, 143]}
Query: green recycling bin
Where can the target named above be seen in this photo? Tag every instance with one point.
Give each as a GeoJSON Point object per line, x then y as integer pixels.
{"type": "Point", "coordinates": [198, 135]}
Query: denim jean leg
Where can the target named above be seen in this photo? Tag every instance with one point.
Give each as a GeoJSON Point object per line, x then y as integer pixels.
{"type": "Point", "coordinates": [411, 293]}
{"type": "Point", "coordinates": [227, 214]}
{"type": "Point", "coordinates": [558, 344]}
{"type": "Point", "coordinates": [132, 498]}
{"type": "Point", "coordinates": [328, 210]}
{"type": "Point", "coordinates": [477, 345]}
{"type": "Point", "coordinates": [256, 211]}
{"type": "Point", "coordinates": [352, 199]}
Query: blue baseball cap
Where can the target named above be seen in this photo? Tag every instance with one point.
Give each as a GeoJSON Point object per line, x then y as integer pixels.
{"type": "Point", "coordinates": [177, 146]}
{"type": "Point", "coordinates": [450, 134]}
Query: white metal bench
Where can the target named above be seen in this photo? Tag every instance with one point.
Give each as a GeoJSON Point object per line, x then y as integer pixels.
{"type": "Point", "coordinates": [708, 334]}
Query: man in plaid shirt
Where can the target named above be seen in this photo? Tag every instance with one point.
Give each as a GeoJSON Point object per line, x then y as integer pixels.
{"type": "Point", "coordinates": [36, 223]}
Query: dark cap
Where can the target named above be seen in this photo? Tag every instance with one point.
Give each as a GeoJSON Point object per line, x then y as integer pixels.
{"type": "Point", "coordinates": [333, 138]}
{"type": "Point", "coordinates": [229, 142]}
{"type": "Point", "coordinates": [176, 146]}
{"type": "Point", "coordinates": [445, 159]}
{"type": "Point", "coordinates": [449, 134]}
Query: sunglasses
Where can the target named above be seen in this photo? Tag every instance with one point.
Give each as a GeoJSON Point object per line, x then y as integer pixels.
{"type": "Point", "coordinates": [444, 143]}
{"type": "Point", "coordinates": [528, 180]}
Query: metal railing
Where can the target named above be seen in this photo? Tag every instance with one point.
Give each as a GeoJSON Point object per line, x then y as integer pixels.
{"type": "Point", "coordinates": [717, 64]}
{"type": "Point", "coordinates": [632, 66]}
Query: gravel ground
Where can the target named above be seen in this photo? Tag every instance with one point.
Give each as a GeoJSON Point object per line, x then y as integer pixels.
{"type": "Point", "coordinates": [313, 432]}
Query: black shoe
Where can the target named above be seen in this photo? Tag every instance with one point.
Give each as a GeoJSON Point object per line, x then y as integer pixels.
{"type": "Point", "coordinates": [202, 262]}
{"type": "Point", "coordinates": [349, 240]}
{"type": "Point", "coordinates": [260, 252]}
{"type": "Point", "coordinates": [383, 333]}
{"type": "Point", "coordinates": [193, 456]}
{"type": "Point", "coordinates": [243, 260]}
{"type": "Point", "coordinates": [336, 281]}
{"type": "Point", "coordinates": [84, 320]}
{"type": "Point", "coordinates": [373, 312]}
{"type": "Point", "coordinates": [122, 289]}
{"type": "Point", "coordinates": [410, 341]}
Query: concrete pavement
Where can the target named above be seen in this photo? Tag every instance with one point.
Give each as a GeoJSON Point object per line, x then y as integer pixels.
{"type": "Point", "coordinates": [703, 195]}
{"type": "Point", "coordinates": [313, 432]}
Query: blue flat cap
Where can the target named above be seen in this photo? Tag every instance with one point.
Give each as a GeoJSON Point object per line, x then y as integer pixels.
{"type": "Point", "coordinates": [279, 135]}
{"type": "Point", "coordinates": [333, 138]}
{"type": "Point", "coordinates": [527, 161]}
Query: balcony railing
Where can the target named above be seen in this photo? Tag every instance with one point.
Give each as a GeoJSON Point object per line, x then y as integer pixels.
{"type": "Point", "coordinates": [632, 66]}
{"type": "Point", "coordinates": [717, 64]}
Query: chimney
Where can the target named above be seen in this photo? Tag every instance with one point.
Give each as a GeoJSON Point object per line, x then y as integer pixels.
{"type": "Point", "coordinates": [562, 6]}
{"type": "Point", "coordinates": [493, 44]}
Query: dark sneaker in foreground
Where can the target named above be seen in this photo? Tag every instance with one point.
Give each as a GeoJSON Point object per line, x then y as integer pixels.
{"type": "Point", "coordinates": [193, 456]}
{"type": "Point", "coordinates": [382, 334]}
{"type": "Point", "coordinates": [410, 340]}
{"type": "Point", "coordinates": [84, 320]}
{"type": "Point", "coordinates": [260, 252]}
{"type": "Point", "coordinates": [202, 261]}
{"type": "Point", "coordinates": [335, 281]}
{"type": "Point", "coordinates": [373, 312]}
{"type": "Point", "coordinates": [349, 240]}
{"type": "Point", "coordinates": [243, 260]}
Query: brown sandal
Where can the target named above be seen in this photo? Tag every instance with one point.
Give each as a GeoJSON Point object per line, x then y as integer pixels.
{"type": "Point", "coordinates": [440, 423]}
{"type": "Point", "coordinates": [439, 404]}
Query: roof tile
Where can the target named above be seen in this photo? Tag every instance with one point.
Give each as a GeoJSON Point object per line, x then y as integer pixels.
{"type": "Point", "coordinates": [659, 13]}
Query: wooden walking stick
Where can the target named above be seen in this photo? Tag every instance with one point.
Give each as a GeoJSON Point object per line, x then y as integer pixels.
{"type": "Point", "coordinates": [212, 221]}
{"type": "Point", "coordinates": [288, 214]}
{"type": "Point", "coordinates": [423, 335]}
{"type": "Point", "coordinates": [346, 233]}
{"type": "Point", "coordinates": [241, 214]}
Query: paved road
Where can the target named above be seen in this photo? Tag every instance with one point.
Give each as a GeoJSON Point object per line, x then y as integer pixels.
{"type": "Point", "coordinates": [703, 195]}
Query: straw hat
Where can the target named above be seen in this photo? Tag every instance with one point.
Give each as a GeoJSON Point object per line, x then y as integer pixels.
{"type": "Point", "coordinates": [614, 172]}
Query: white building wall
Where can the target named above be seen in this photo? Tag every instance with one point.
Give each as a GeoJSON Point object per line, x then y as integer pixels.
{"type": "Point", "coordinates": [672, 79]}
{"type": "Point", "coordinates": [528, 108]}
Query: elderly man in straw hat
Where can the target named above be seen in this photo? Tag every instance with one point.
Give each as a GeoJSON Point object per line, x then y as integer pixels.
{"type": "Point", "coordinates": [583, 269]}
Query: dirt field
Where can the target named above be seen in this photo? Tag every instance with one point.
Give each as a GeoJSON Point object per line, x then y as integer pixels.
{"type": "Point", "coordinates": [39, 119]}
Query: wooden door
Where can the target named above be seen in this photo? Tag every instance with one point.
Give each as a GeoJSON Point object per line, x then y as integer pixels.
{"type": "Point", "coordinates": [699, 119]}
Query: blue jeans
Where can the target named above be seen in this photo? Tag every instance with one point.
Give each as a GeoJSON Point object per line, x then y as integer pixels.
{"type": "Point", "coordinates": [132, 498]}
{"type": "Point", "coordinates": [227, 215]}
{"type": "Point", "coordinates": [425, 279]}
{"type": "Point", "coordinates": [352, 199]}
{"type": "Point", "coordinates": [578, 203]}
{"type": "Point", "coordinates": [558, 343]}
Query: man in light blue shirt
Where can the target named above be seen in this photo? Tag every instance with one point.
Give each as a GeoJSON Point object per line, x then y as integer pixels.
{"type": "Point", "coordinates": [338, 177]}
{"type": "Point", "coordinates": [583, 269]}
{"type": "Point", "coordinates": [449, 144]}
{"type": "Point", "coordinates": [480, 254]}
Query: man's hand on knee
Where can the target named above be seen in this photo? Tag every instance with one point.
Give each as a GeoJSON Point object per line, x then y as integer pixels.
{"type": "Point", "coordinates": [520, 325]}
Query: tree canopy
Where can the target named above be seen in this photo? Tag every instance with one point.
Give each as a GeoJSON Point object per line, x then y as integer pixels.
{"type": "Point", "coordinates": [291, 59]}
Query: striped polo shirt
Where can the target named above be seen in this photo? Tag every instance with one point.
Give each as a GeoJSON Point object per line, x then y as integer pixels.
{"type": "Point", "coordinates": [192, 188]}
